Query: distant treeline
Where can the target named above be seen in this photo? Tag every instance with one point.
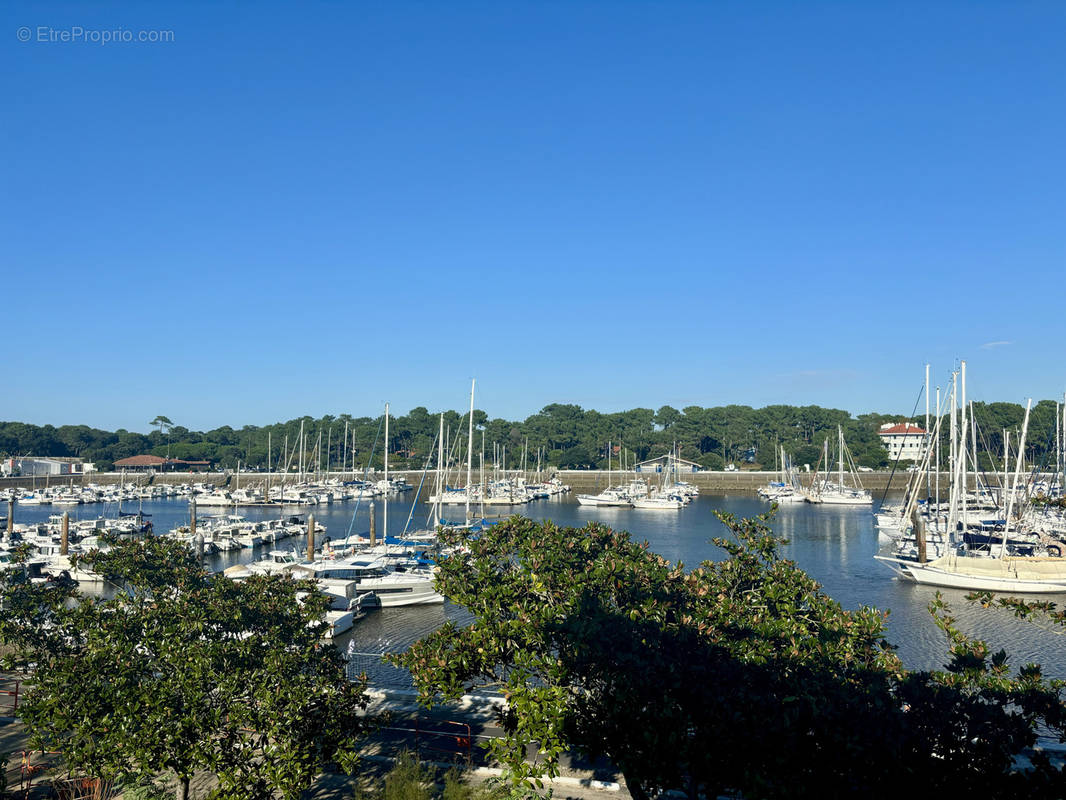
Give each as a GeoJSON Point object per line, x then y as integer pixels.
{"type": "Point", "coordinates": [562, 436]}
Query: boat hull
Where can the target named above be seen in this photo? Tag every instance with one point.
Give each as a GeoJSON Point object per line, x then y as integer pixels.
{"type": "Point", "coordinates": [1021, 575]}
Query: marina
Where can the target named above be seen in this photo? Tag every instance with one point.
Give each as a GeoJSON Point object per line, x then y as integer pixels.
{"type": "Point", "coordinates": [835, 544]}
{"type": "Point", "coordinates": [426, 392]}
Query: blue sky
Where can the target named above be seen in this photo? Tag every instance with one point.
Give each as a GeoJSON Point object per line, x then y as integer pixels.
{"type": "Point", "coordinates": [314, 208]}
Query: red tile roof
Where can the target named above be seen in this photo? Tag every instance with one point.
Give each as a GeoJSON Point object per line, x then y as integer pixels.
{"type": "Point", "coordinates": [141, 461]}
{"type": "Point", "coordinates": [903, 428]}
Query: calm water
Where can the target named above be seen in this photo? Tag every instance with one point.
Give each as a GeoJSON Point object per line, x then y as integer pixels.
{"type": "Point", "coordinates": [834, 545]}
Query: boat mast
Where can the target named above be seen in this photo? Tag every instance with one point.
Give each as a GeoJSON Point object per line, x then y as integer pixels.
{"type": "Point", "coordinates": [301, 451]}
{"type": "Point", "coordinates": [1062, 479]}
{"type": "Point", "coordinates": [440, 474]}
{"type": "Point", "coordinates": [385, 513]}
{"type": "Point", "coordinates": [470, 451]}
{"type": "Point", "coordinates": [953, 498]}
{"type": "Point", "coordinates": [1006, 466]}
{"type": "Point", "coordinates": [1058, 442]}
{"type": "Point", "coordinates": [840, 455]}
{"type": "Point", "coordinates": [1017, 472]}
{"type": "Point", "coordinates": [937, 444]}
{"type": "Point", "coordinates": [973, 454]}
{"type": "Point", "coordinates": [962, 451]}
{"type": "Point", "coordinates": [1062, 471]}
{"type": "Point", "coordinates": [928, 441]}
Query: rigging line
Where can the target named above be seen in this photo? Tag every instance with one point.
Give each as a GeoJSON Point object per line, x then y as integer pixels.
{"type": "Point", "coordinates": [895, 464]}
{"type": "Point", "coordinates": [978, 471]}
{"type": "Point", "coordinates": [366, 474]}
{"type": "Point", "coordinates": [984, 473]}
{"type": "Point", "coordinates": [453, 444]}
{"type": "Point", "coordinates": [421, 483]}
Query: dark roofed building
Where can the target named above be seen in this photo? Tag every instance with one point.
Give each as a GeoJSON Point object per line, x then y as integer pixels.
{"type": "Point", "coordinates": [140, 462]}
{"type": "Point", "coordinates": [147, 462]}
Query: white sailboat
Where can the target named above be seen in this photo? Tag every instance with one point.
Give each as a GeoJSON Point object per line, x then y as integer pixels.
{"type": "Point", "coordinates": [840, 493]}
{"type": "Point", "coordinates": [609, 497]}
{"type": "Point", "coordinates": [1040, 569]}
{"type": "Point", "coordinates": [787, 489]}
{"type": "Point", "coordinates": [668, 496]}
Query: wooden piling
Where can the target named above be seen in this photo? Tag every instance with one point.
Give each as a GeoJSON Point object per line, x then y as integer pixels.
{"type": "Point", "coordinates": [310, 537]}
{"type": "Point", "coordinates": [192, 516]}
{"type": "Point", "coordinates": [64, 539]}
{"type": "Point", "coordinates": [373, 525]}
{"type": "Point", "coordinates": [918, 521]}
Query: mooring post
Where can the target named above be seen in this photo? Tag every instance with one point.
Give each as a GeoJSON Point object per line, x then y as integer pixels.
{"type": "Point", "coordinates": [64, 539]}
{"type": "Point", "coordinates": [373, 525]}
{"type": "Point", "coordinates": [918, 523]}
{"type": "Point", "coordinates": [192, 515]}
{"type": "Point", "coordinates": [200, 549]}
{"type": "Point", "coordinates": [310, 537]}
{"type": "Point", "coordinates": [10, 516]}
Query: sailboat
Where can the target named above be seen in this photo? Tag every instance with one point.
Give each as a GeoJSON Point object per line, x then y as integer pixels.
{"type": "Point", "coordinates": [668, 496]}
{"type": "Point", "coordinates": [611, 496]}
{"type": "Point", "coordinates": [839, 493]}
{"type": "Point", "coordinates": [785, 490]}
{"type": "Point", "coordinates": [394, 584]}
{"type": "Point", "coordinates": [1033, 566]}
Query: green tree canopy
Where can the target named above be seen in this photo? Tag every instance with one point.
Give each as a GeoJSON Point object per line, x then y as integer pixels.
{"type": "Point", "coordinates": [726, 432]}
{"type": "Point", "coordinates": [183, 671]}
{"type": "Point", "coordinates": [740, 676]}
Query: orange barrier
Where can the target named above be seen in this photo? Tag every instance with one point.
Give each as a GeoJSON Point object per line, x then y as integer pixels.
{"type": "Point", "coordinates": [44, 767]}
{"type": "Point", "coordinates": [35, 762]}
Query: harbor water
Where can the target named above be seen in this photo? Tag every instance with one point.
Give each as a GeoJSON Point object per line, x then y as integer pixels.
{"type": "Point", "coordinates": [834, 544]}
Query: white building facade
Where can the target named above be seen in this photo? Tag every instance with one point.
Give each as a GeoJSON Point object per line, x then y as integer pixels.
{"type": "Point", "coordinates": [904, 441]}
{"type": "Point", "coordinates": [28, 465]}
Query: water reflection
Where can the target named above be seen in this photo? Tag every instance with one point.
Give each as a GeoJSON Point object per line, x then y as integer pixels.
{"type": "Point", "coordinates": [835, 545]}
